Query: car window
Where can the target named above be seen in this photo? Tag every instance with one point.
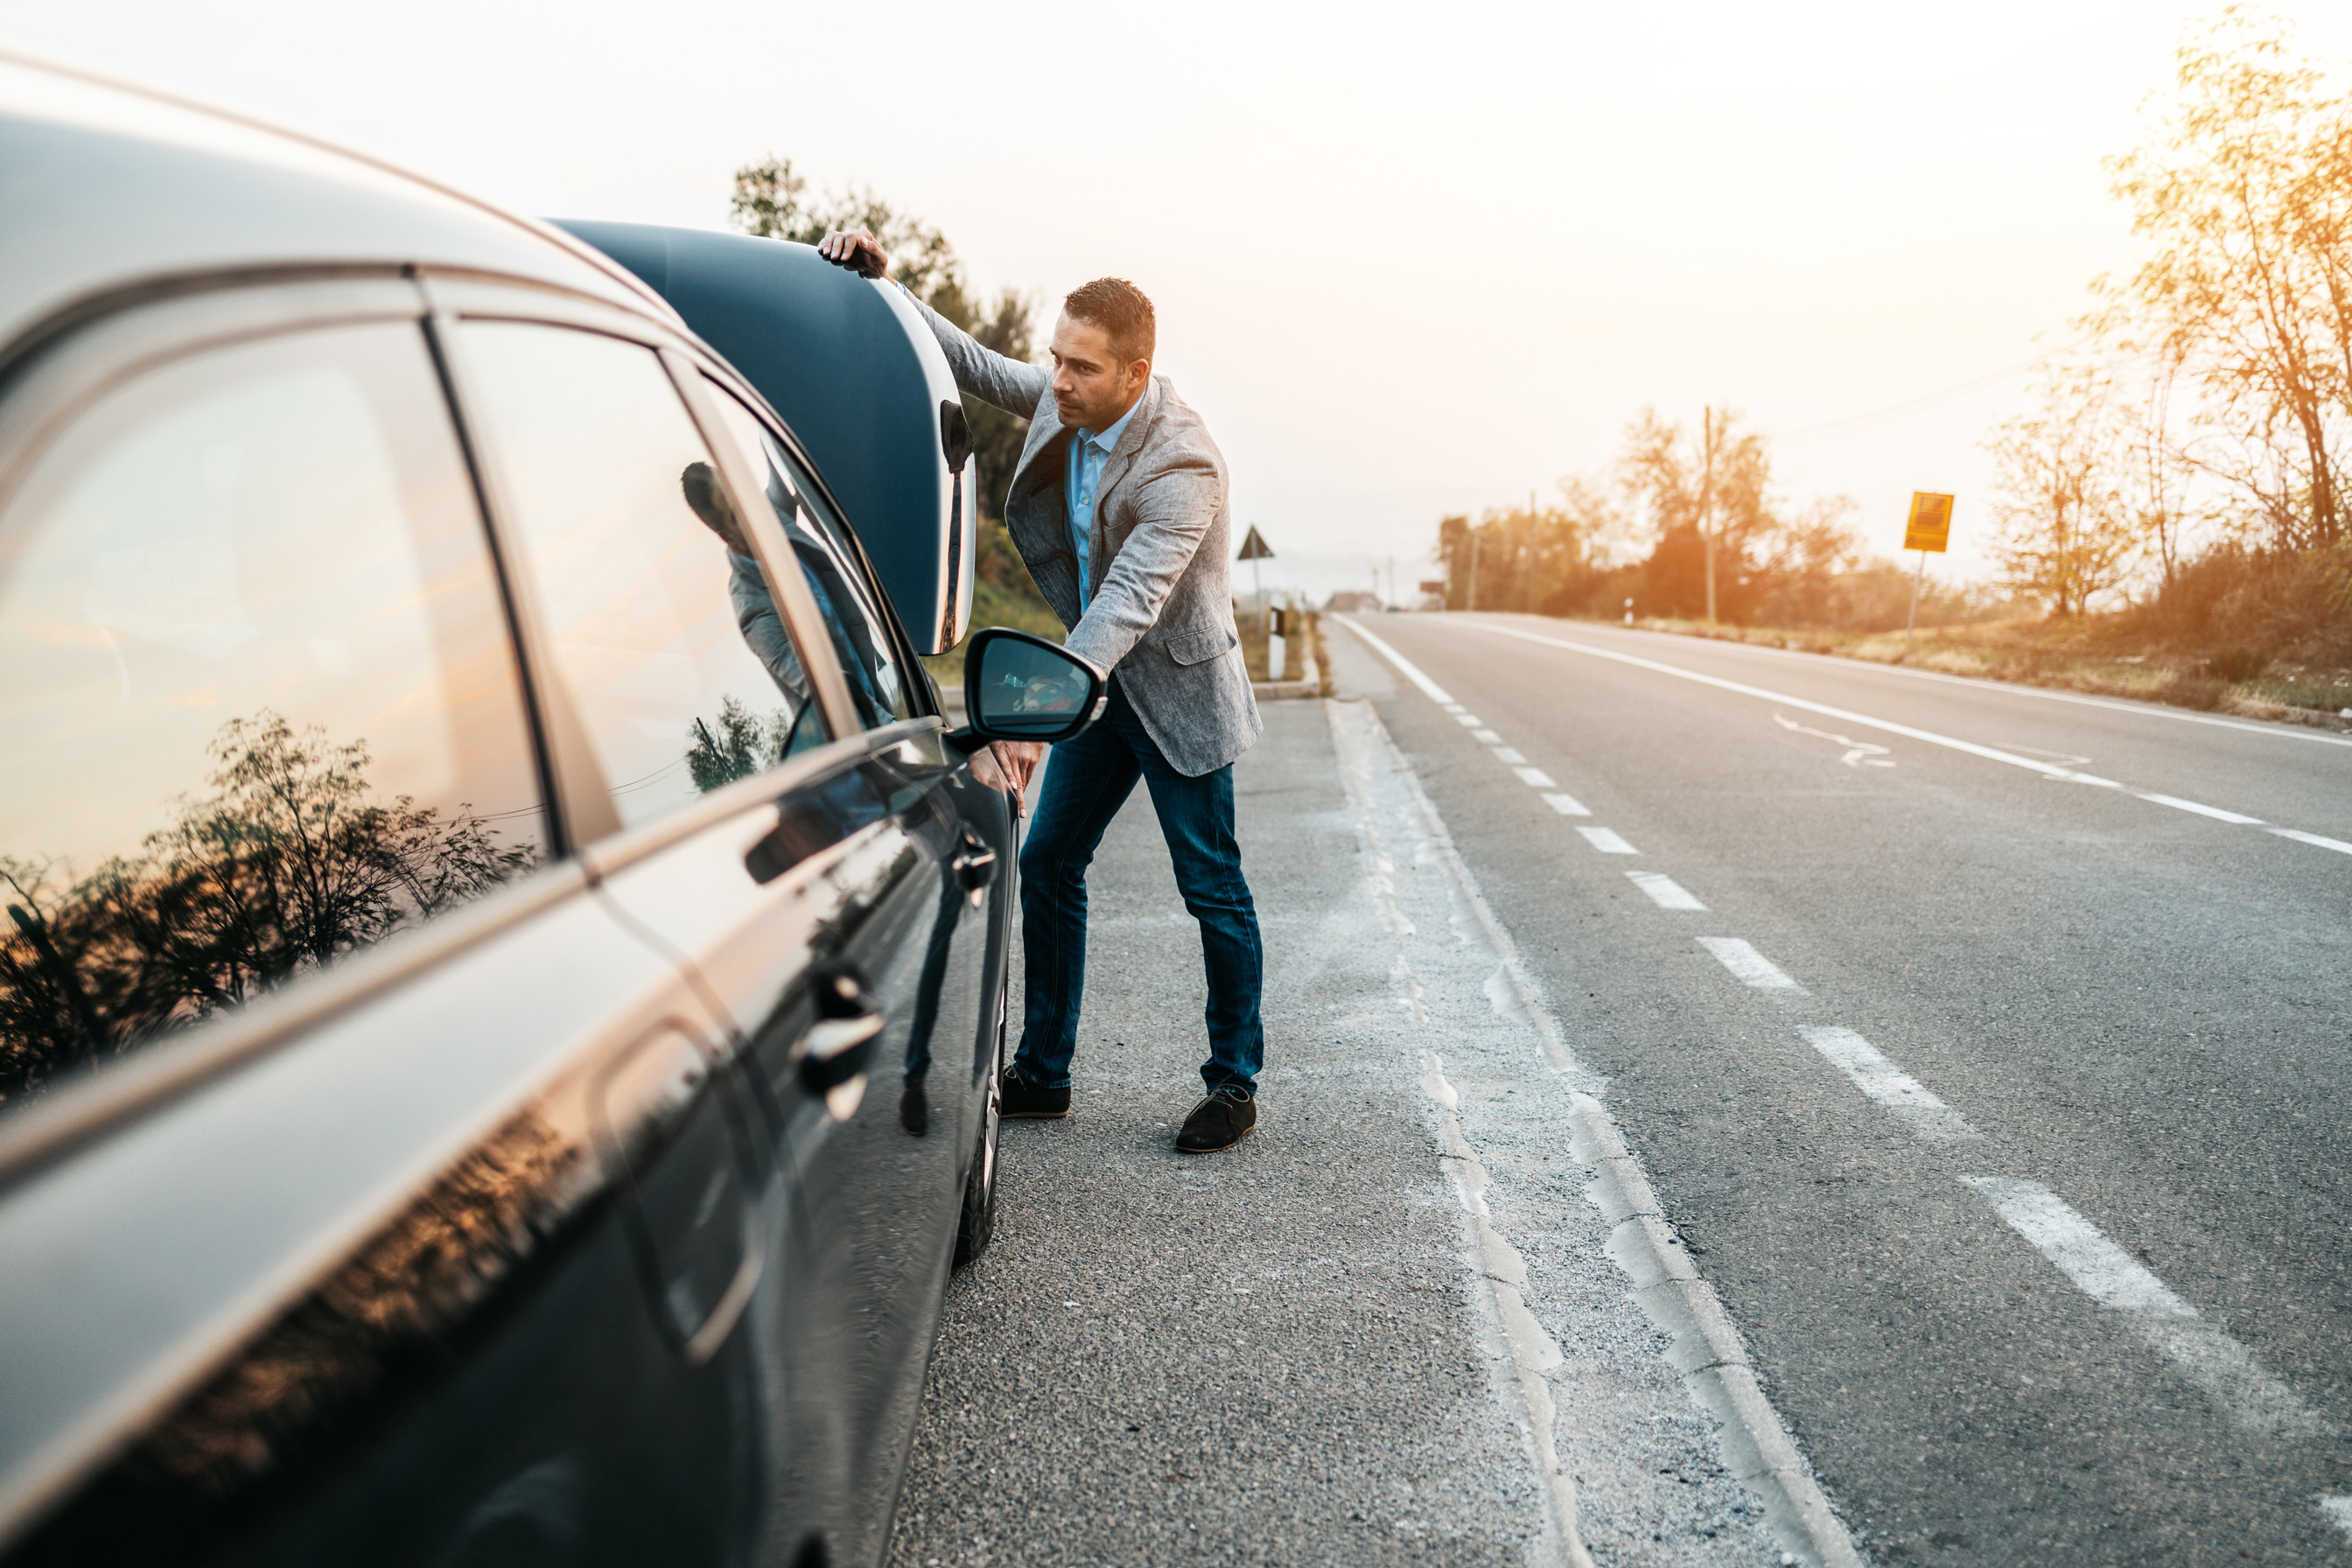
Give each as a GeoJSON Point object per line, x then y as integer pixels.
{"type": "Point", "coordinates": [660, 621]}
{"type": "Point", "coordinates": [853, 619]}
{"type": "Point", "coordinates": [260, 703]}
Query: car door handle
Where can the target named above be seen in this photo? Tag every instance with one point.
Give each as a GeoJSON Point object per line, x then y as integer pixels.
{"type": "Point", "coordinates": [974, 865]}
{"type": "Point", "coordinates": [836, 1052]}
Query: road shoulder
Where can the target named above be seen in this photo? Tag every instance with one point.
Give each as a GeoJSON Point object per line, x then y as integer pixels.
{"type": "Point", "coordinates": [1384, 1327]}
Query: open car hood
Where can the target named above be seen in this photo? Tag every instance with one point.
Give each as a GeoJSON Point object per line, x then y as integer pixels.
{"type": "Point", "coordinates": [855, 372]}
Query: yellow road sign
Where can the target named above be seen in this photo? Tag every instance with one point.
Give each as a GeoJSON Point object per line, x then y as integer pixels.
{"type": "Point", "coordinates": [1931, 522]}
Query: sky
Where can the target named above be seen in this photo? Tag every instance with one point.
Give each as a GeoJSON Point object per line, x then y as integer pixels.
{"type": "Point", "coordinates": [1407, 260]}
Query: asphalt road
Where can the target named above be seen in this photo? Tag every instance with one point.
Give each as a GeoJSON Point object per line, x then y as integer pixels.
{"type": "Point", "coordinates": [2015, 1136]}
{"type": "Point", "coordinates": [1382, 1328]}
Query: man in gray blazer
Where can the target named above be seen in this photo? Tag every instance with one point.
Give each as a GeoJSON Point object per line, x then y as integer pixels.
{"type": "Point", "coordinates": [1119, 508]}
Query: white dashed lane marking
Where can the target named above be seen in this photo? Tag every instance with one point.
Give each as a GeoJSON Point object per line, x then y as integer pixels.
{"type": "Point", "coordinates": [1887, 1084]}
{"type": "Point", "coordinates": [1664, 891]}
{"type": "Point", "coordinates": [1486, 737]}
{"type": "Point", "coordinates": [2217, 1363]}
{"type": "Point", "coordinates": [1510, 754]}
{"type": "Point", "coordinates": [1750, 967]}
{"type": "Point", "coordinates": [2251, 1396]}
{"type": "Point", "coordinates": [1535, 778]}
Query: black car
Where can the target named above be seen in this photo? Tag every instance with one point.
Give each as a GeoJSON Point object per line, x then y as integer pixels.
{"type": "Point", "coordinates": [503, 980]}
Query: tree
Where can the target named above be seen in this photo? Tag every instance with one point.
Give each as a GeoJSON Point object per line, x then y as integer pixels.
{"type": "Point", "coordinates": [771, 201]}
{"type": "Point", "coordinates": [2066, 522]}
{"type": "Point", "coordinates": [1525, 558]}
{"type": "Point", "coordinates": [2158, 475]}
{"type": "Point", "coordinates": [1677, 486]}
{"type": "Point", "coordinates": [286, 866]}
{"type": "Point", "coordinates": [2245, 197]}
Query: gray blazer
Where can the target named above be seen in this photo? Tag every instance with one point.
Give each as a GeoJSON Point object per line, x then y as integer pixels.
{"type": "Point", "coordinates": [1161, 544]}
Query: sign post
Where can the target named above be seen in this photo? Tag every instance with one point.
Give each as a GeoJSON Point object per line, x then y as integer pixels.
{"type": "Point", "coordinates": [1930, 528]}
{"type": "Point", "coordinates": [1254, 549]}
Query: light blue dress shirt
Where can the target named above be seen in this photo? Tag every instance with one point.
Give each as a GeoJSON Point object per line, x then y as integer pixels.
{"type": "Point", "coordinates": [1089, 452]}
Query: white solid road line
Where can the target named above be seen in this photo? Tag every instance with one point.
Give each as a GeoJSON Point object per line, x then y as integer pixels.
{"type": "Point", "coordinates": [1566, 805]}
{"type": "Point", "coordinates": [1533, 778]}
{"type": "Point", "coordinates": [1406, 667]}
{"type": "Point", "coordinates": [2283, 731]}
{"type": "Point", "coordinates": [1993, 754]}
{"type": "Point", "coordinates": [2299, 837]}
{"type": "Point", "coordinates": [2224, 1368]}
{"type": "Point", "coordinates": [1887, 1084]}
{"type": "Point", "coordinates": [1750, 966]}
{"type": "Point", "coordinates": [1707, 1347]}
{"type": "Point", "coordinates": [1664, 891]}
{"type": "Point", "coordinates": [2215, 812]}
{"type": "Point", "coordinates": [2219, 1365]}
{"type": "Point", "coordinates": [2051, 770]}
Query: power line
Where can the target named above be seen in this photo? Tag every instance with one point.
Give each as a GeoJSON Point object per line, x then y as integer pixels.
{"type": "Point", "coordinates": [1854, 424]}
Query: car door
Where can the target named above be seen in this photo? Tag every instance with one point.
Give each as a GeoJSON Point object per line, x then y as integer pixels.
{"type": "Point", "coordinates": [372, 1189]}
{"type": "Point", "coordinates": [929, 950]}
{"type": "Point", "coordinates": [814, 891]}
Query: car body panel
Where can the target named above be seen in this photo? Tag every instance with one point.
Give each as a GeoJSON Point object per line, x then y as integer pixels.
{"type": "Point", "coordinates": [511, 1238]}
{"type": "Point", "coordinates": [215, 195]}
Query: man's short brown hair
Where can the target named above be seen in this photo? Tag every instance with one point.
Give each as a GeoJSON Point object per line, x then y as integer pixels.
{"type": "Point", "coordinates": [1119, 308]}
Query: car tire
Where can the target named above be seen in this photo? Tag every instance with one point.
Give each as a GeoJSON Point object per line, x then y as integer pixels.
{"type": "Point", "coordinates": [976, 1227]}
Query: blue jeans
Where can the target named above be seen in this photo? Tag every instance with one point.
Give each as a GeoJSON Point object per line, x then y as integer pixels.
{"type": "Point", "coordinates": [1087, 781]}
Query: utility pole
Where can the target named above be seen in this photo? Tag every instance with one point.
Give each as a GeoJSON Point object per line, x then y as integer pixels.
{"type": "Point", "coordinates": [1707, 505]}
{"type": "Point", "coordinates": [1474, 568]}
{"type": "Point", "coordinates": [1532, 552]}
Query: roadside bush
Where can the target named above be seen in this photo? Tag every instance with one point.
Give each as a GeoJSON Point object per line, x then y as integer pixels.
{"type": "Point", "coordinates": [2235, 664]}
{"type": "Point", "coordinates": [2297, 604]}
{"type": "Point", "coordinates": [2188, 691]}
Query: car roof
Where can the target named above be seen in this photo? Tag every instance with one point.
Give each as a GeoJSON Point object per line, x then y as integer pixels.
{"type": "Point", "coordinates": [109, 188]}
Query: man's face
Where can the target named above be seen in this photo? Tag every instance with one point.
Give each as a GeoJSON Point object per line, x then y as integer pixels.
{"type": "Point", "coordinates": [1091, 388]}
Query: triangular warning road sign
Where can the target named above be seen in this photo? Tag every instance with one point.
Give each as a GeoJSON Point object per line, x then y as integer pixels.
{"type": "Point", "coordinates": [1255, 548]}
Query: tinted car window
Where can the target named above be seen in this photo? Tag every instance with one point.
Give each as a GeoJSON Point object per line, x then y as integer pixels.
{"type": "Point", "coordinates": [261, 702]}
{"type": "Point", "coordinates": [861, 639]}
{"type": "Point", "coordinates": [660, 620]}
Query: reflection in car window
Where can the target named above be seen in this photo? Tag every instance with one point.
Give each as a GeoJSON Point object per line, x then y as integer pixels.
{"type": "Point", "coordinates": [260, 703]}
{"type": "Point", "coordinates": [861, 641]}
{"type": "Point", "coordinates": [675, 657]}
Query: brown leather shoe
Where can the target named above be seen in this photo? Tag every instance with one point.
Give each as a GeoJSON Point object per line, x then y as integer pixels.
{"type": "Point", "coordinates": [1017, 1095]}
{"type": "Point", "coordinates": [1220, 1122]}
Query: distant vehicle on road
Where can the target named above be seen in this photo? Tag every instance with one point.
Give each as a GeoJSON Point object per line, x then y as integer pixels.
{"type": "Point", "coordinates": [502, 988]}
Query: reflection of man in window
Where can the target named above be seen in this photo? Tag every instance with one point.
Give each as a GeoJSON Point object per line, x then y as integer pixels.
{"type": "Point", "coordinates": [1119, 508]}
{"type": "Point", "coordinates": [755, 611]}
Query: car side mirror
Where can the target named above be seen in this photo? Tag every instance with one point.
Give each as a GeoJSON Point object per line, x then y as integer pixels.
{"type": "Point", "coordinates": [1017, 687]}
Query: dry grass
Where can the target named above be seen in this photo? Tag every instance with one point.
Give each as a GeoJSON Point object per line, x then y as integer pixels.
{"type": "Point", "coordinates": [1302, 641]}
